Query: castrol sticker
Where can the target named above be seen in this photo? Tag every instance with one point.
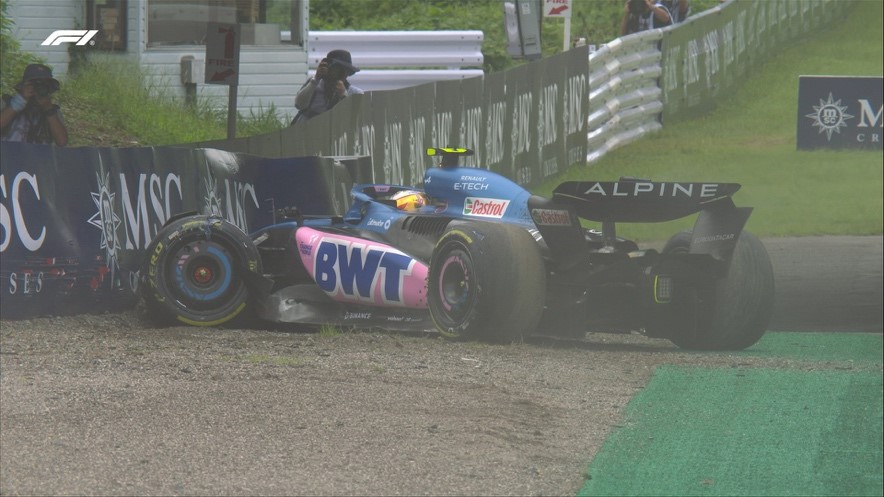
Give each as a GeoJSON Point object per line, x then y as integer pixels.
{"type": "Point", "coordinates": [551, 217]}
{"type": "Point", "coordinates": [485, 207]}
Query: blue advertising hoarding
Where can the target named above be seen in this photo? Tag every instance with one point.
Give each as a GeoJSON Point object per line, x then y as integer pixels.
{"type": "Point", "coordinates": [74, 222]}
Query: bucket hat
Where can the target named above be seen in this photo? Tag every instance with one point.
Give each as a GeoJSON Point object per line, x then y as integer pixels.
{"type": "Point", "coordinates": [342, 57]}
{"type": "Point", "coordinates": [40, 71]}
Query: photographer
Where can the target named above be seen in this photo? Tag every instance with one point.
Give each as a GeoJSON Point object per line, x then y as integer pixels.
{"type": "Point", "coordinates": [642, 15]}
{"type": "Point", "coordinates": [679, 9]}
{"type": "Point", "coordinates": [327, 87]}
{"type": "Point", "coordinates": [29, 115]}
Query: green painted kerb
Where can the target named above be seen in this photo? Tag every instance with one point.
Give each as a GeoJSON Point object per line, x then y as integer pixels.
{"type": "Point", "coordinates": [697, 431]}
{"type": "Point", "coordinates": [861, 348]}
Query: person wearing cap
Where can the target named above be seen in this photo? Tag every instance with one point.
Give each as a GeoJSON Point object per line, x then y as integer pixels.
{"type": "Point", "coordinates": [327, 87]}
{"type": "Point", "coordinates": [29, 115]}
{"type": "Point", "coordinates": [641, 15]}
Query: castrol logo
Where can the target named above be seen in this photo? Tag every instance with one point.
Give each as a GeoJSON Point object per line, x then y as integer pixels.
{"type": "Point", "coordinates": [551, 217]}
{"type": "Point", "coordinates": [485, 207]}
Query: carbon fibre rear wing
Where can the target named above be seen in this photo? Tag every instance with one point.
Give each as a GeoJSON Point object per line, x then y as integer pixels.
{"type": "Point", "coordinates": [639, 201]}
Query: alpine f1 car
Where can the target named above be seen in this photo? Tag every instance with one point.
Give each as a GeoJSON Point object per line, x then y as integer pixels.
{"type": "Point", "coordinates": [475, 256]}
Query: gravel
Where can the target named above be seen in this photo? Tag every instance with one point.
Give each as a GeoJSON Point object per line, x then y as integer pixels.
{"type": "Point", "coordinates": [108, 405]}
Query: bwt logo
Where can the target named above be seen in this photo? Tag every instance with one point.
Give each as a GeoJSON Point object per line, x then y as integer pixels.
{"type": "Point", "coordinates": [78, 36]}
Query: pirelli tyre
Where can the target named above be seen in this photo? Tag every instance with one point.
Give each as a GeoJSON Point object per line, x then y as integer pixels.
{"type": "Point", "coordinates": [734, 313]}
{"type": "Point", "coordinates": [194, 272]}
{"type": "Point", "coordinates": [487, 281]}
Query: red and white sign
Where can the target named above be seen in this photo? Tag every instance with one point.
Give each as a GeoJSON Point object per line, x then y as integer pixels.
{"type": "Point", "coordinates": [485, 207]}
{"type": "Point", "coordinates": [222, 54]}
{"type": "Point", "coordinates": [557, 8]}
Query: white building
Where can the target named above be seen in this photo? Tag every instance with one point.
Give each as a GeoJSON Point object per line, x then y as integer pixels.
{"type": "Point", "coordinates": [167, 39]}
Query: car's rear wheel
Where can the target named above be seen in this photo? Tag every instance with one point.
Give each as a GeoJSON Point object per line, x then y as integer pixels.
{"type": "Point", "coordinates": [194, 272]}
{"type": "Point", "coordinates": [734, 312]}
{"type": "Point", "coordinates": [487, 281]}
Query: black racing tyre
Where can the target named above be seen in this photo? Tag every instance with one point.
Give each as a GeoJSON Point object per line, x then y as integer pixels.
{"type": "Point", "coordinates": [194, 272]}
{"type": "Point", "coordinates": [487, 281]}
{"type": "Point", "coordinates": [734, 313]}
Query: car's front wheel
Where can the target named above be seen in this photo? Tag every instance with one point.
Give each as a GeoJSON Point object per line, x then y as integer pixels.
{"type": "Point", "coordinates": [194, 272]}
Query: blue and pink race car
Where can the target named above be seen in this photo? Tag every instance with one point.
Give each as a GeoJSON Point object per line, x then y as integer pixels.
{"type": "Point", "coordinates": [473, 255]}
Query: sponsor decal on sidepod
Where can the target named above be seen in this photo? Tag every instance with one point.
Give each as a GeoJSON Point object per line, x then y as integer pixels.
{"type": "Point", "coordinates": [351, 269]}
{"type": "Point", "coordinates": [551, 217]}
{"type": "Point", "coordinates": [485, 207]}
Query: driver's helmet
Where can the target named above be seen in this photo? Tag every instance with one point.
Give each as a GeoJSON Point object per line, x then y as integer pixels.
{"type": "Point", "coordinates": [410, 200]}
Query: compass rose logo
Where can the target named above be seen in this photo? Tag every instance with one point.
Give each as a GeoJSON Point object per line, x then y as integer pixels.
{"type": "Point", "coordinates": [830, 116]}
{"type": "Point", "coordinates": [211, 200]}
{"type": "Point", "coordinates": [107, 221]}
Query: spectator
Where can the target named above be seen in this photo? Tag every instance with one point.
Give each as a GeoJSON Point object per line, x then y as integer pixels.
{"type": "Point", "coordinates": [641, 15]}
{"type": "Point", "coordinates": [327, 87]}
{"type": "Point", "coordinates": [29, 115]}
{"type": "Point", "coordinates": [679, 9]}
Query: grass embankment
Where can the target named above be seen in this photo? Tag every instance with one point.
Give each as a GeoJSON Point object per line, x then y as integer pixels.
{"type": "Point", "coordinates": [750, 139]}
{"type": "Point", "coordinates": [106, 104]}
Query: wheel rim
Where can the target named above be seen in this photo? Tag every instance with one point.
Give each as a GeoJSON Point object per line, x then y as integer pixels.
{"type": "Point", "coordinates": [456, 287]}
{"type": "Point", "coordinates": [202, 275]}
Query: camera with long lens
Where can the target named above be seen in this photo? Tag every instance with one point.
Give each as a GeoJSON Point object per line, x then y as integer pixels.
{"type": "Point", "coordinates": [42, 88]}
{"type": "Point", "coordinates": [637, 6]}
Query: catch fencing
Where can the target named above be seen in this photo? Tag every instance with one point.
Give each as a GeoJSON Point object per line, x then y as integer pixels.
{"type": "Point", "coordinates": [523, 122]}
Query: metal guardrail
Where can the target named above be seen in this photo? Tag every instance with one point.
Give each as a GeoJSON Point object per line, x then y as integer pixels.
{"type": "Point", "coordinates": [681, 70]}
{"type": "Point", "coordinates": [450, 49]}
{"type": "Point", "coordinates": [624, 99]}
{"type": "Point", "coordinates": [392, 79]}
{"type": "Point", "coordinates": [399, 59]}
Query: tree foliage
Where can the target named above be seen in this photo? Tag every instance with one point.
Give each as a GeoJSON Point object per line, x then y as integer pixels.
{"type": "Point", "coordinates": [597, 21]}
{"type": "Point", "coordinates": [12, 59]}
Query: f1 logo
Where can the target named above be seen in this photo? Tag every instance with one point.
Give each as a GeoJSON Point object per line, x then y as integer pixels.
{"type": "Point", "coordinates": [78, 36]}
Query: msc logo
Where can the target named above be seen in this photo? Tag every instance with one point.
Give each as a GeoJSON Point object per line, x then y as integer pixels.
{"type": "Point", "coordinates": [78, 36]}
{"type": "Point", "coordinates": [829, 116]}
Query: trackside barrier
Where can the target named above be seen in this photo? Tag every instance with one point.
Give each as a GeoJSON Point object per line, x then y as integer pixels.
{"type": "Point", "coordinates": [624, 99]}
{"type": "Point", "coordinates": [641, 81]}
{"type": "Point", "coordinates": [634, 84]}
{"type": "Point", "coordinates": [399, 59]}
{"type": "Point", "coordinates": [516, 120]}
{"type": "Point", "coordinates": [75, 221]}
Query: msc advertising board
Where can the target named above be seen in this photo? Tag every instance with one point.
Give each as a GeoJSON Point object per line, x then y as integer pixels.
{"type": "Point", "coordinates": [840, 112]}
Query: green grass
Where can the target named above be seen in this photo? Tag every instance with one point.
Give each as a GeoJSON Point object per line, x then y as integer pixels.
{"type": "Point", "coordinates": [106, 104]}
{"type": "Point", "coordinates": [328, 330]}
{"type": "Point", "coordinates": [750, 139]}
